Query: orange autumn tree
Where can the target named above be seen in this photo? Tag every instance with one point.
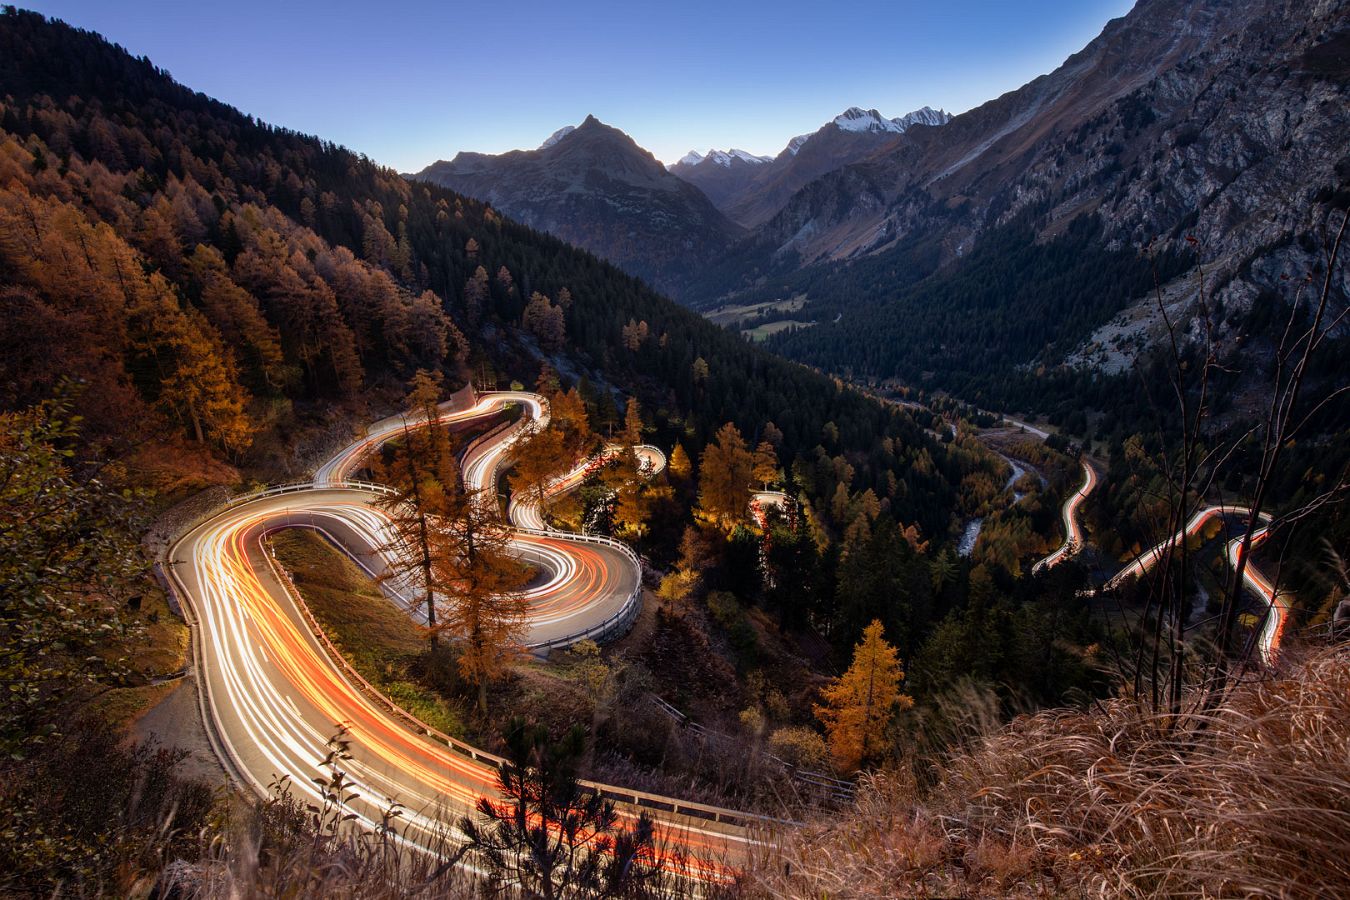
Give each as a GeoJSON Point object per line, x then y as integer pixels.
{"type": "Point", "coordinates": [450, 542]}
{"type": "Point", "coordinates": [726, 470]}
{"type": "Point", "coordinates": [859, 705]}
{"type": "Point", "coordinates": [485, 611]}
{"type": "Point", "coordinates": [421, 471]}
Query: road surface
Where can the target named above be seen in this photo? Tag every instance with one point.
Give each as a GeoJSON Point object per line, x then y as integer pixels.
{"type": "Point", "coordinates": [1272, 629]}
{"type": "Point", "coordinates": [1073, 535]}
{"type": "Point", "coordinates": [273, 692]}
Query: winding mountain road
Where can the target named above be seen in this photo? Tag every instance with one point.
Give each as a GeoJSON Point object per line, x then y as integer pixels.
{"type": "Point", "coordinates": [273, 691]}
{"type": "Point", "coordinates": [1272, 628]}
{"type": "Point", "coordinates": [1073, 535]}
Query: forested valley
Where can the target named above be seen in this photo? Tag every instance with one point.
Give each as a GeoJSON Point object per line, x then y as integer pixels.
{"type": "Point", "coordinates": [196, 304]}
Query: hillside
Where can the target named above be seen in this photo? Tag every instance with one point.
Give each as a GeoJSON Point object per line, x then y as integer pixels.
{"type": "Point", "coordinates": [326, 279]}
{"type": "Point", "coordinates": [595, 188]}
{"type": "Point", "coordinates": [761, 620]}
{"type": "Point", "coordinates": [222, 302]}
{"type": "Point", "coordinates": [1192, 131]}
{"type": "Point", "coordinates": [1108, 802]}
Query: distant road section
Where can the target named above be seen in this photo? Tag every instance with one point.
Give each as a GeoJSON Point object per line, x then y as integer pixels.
{"type": "Point", "coordinates": [1073, 535]}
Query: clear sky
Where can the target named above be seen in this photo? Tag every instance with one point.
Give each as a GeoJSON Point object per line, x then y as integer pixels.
{"type": "Point", "coordinates": [410, 82]}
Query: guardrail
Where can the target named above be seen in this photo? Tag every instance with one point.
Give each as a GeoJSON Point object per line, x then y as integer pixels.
{"type": "Point", "coordinates": [618, 624]}
{"type": "Point", "coordinates": [839, 789]}
{"type": "Point", "coordinates": [634, 798]}
{"type": "Point", "coordinates": [630, 797]}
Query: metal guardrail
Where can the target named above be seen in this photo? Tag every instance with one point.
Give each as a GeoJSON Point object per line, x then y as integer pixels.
{"type": "Point", "coordinates": [618, 624]}
{"type": "Point", "coordinates": [839, 789]}
{"type": "Point", "coordinates": [639, 799]}
{"type": "Point", "coordinates": [635, 798]}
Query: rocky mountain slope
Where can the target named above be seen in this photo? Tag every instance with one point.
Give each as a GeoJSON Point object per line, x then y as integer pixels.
{"type": "Point", "coordinates": [594, 187]}
{"type": "Point", "coordinates": [720, 174]}
{"type": "Point", "coordinates": [751, 193]}
{"type": "Point", "coordinates": [1200, 127]}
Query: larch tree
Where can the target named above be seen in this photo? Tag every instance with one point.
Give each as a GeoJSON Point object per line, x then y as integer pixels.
{"type": "Point", "coordinates": [632, 423]}
{"type": "Point", "coordinates": [725, 474]}
{"type": "Point", "coordinates": [485, 612]}
{"type": "Point", "coordinates": [545, 321]}
{"type": "Point", "coordinates": [766, 464]}
{"type": "Point", "coordinates": [199, 379]}
{"type": "Point", "coordinates": [858, 706]}
{"type": "Point", "coordinates": [634, 493]}
{"type": "Point", "coordinates": [680, 466]}
{"type": "Point", "coordinates": [453, 546]}
{"type": "Point", "coordinates": [423, 474]}
{"type": "Point", "coordinates": [634, 334]}
{"type": "Point", "coordinates": [235, 314]}
{"type": "Point", "coordinates": [538, 460]}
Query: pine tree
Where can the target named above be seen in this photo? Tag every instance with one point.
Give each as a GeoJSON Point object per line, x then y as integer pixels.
{"type": "Point", "coordinates": [550, 837]}
{"type": "Point", "coordinates": [858, 706]}
{"type": "Point", "coordinates": [475, 296]}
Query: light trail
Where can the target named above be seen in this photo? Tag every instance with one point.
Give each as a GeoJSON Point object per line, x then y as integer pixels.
{"type": "Point", "coordinates": [760, 501]}
{"type": "Point", "coordinates": [272, 695]}
{"type": "Point", "coordinates": [1073, 535]}
{"type": "Point", "coordinates": [1277, 615]}
{"type": "Point", "coordinates": [1277, 608]}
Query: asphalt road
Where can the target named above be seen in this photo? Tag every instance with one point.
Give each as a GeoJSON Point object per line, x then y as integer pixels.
{"type": "Point", "coordinates": [272, 693]}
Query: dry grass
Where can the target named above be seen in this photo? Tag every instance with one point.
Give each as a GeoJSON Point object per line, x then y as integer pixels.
{"type": "Point", "coordinates": [1253, 800]}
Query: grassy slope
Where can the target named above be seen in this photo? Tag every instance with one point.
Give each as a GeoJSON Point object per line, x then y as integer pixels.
{"type": "Point", "coordinates": [159, 650]}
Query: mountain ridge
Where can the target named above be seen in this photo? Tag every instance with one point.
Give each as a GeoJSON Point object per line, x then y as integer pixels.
{"type": "Point", "coordinates": [594, 187]}
{"type": "Point", "coordinates": [1186, 127]}
{"type": "Point", "coordinates": [752, 194]}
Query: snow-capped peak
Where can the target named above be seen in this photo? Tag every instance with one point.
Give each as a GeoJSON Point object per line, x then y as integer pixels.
{"type": "Point", "coordinates": [722, 158]}
{"type": "Point", "coordinates": [869, 120]}
{"type": "Point", "coordinates": [557, 136]}
{"type": "Point", "coordinates": [796, 144]}
{"type": "Point", "coordinates": [925, 116]}
{"type": "Point", "coordinates": [856, 119]}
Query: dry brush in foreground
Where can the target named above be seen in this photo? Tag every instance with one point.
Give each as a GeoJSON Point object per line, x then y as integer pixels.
{"type": "Point", "coordinates": [1250, 800]}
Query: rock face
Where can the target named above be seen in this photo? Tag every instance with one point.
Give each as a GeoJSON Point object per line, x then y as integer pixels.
{"type": "Point", "coordinates": [1223, 122]}
{"type": "Point", "coordinates": [594, 187]}
{"type": "Point", "coordinates": [752, 193]}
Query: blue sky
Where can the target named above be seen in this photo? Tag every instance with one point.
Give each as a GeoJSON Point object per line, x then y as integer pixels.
{"type": "Point", "coordinates": [411, 82]}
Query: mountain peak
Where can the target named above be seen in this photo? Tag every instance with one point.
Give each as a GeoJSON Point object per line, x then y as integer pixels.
{"type": "Point", "coordinates": [923, 116]}
{"type": "Point", "coordinates": [724, 158]}
{"type": "Point", "coordinates": [857, 119]}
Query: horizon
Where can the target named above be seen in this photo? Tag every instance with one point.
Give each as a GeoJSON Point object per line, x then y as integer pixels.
{"type": "Point", "coordinates": [757, 80]}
